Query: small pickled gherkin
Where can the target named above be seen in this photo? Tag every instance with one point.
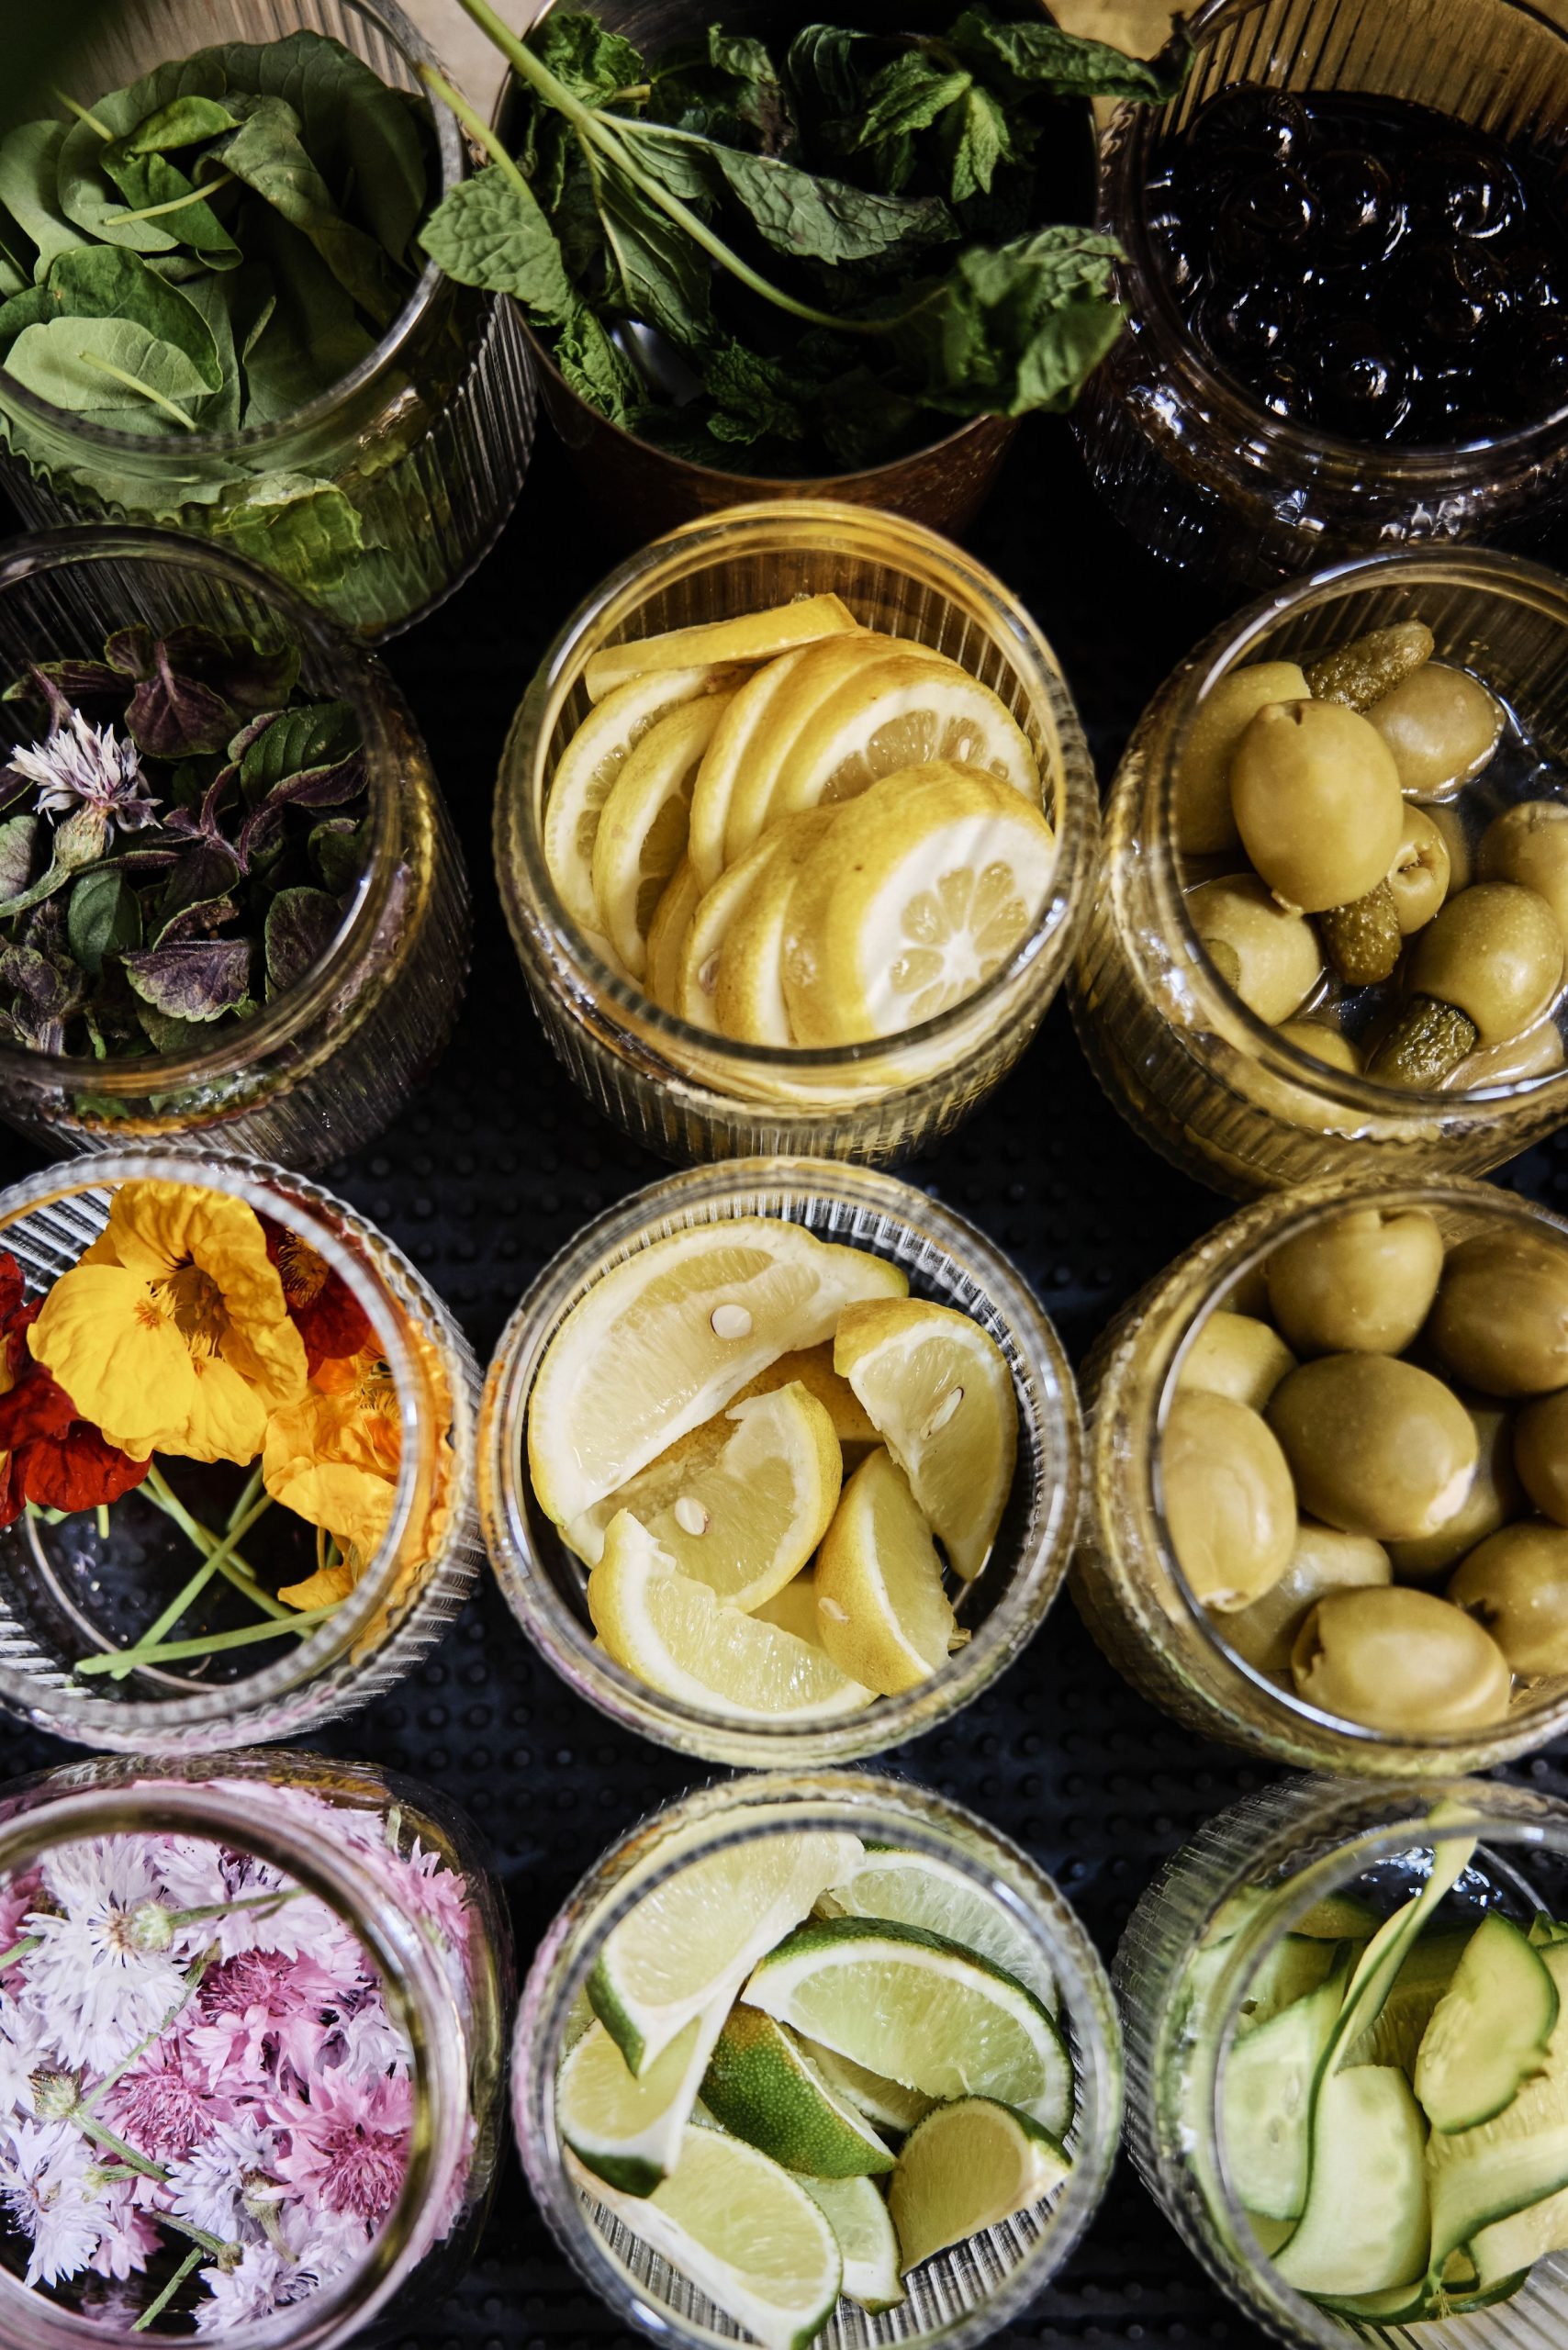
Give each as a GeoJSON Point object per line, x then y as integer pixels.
{"type": "Point", "coordinates": [1362, 671]}
{"type": "Point", "coordinates": [1364, 940]}
{"type": "Point", "coordinates": [1425, 1042]}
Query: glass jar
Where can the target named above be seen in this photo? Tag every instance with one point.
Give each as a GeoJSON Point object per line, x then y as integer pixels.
{"type": "Point", "coordinates": [323, 1067]}
{"type": "Point", "coordinates": [963, 2295]}
{"type": "Point", "coordinates": [947, 1260]}
{"type": "Point", "coordinates": [1126, 1584]}
{"type": "Point", "coordinates": [1195, 465]}
{"type": "Point", "coordinates": [1223, 1096]}
{"type": "Point", "coordinates": [75, 1590]}
{"type": "Point", "coordinates": [418, 454]}
{"type": "Point", "coordinates": [684, 1091]}
{"type": "Point", "coordinates": [404, 1871]}
{"type": "Point", "coordinates": [1181, 1990]}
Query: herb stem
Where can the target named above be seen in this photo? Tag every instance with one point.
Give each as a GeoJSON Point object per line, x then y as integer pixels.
{"type": "Point", "coordinates": [123, 375]}
{"type": "Point", "coordinates": [156, 2308]}
{"type": "Point", "coordinates": [102, 2135]}
{"type": "Point", "coordinates": [173, 1651]}
{"type": "Point", "coordinates": [177, 202]}
{"type": "Point", "coordinates": [83, 116]}
{"type": "Point", "coordinates": [213, 2244]}
{"type": "Point", "coordinates": [103, 1521]}
{"type": "Point", "coordinates": [474, 124]}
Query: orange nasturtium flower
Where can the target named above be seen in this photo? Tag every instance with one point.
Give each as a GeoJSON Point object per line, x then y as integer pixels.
{"type": "Point", "coordinates": [172, 1335]}
{"type": "Point", "coordinates": [332, 1458]}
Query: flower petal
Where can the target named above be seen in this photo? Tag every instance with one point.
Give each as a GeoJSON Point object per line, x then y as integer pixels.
{"type": "Point", "coordinates": [126, 1370]}
{"type": "Point", "coordinates": [227, 1421]}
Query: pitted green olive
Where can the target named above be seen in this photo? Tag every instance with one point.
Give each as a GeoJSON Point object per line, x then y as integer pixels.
{"type": "Point", "coordinates": [1516, 1584]}
{"type": "Point", "coordinates": [1535, 1052]}
{"type": "Point", "coordinates": [1375, 1445]}
{"type": "Point", "coordinates": [1317, 797]}
{"type": "Point", "coordinates": [1501, 1320]}
{"type": "Point", "coordinates": [1421, 874]}
{"type": "Point", "coordinates": [1400, 1660]}
{"type": "Point", "coordinates": [1325, 1043]}
{"type": "Point", "coordinates": [1441, 725]}
{"type": "Point", "coordinates": [1201, 817]}
{"type": "Point", "coordinates": [1541, 1454]}
{"type": "Point", "coordinates": [1237, 1356]}
{"type": "Point", "coordinates": [1359, 1282]}
{"type": "Point", "coordinates": [1530, 844]}
{"type": "Point", "coordinates": [1450, 822]}
{"type": "Point", "coordinates": [1266, 955]}
{"type": "Point", "coordinates": [1494, 1496]}
{"type": "Point", "coordinates": [1324, 1559]}
{"type": "Point", "coordinates": [1229, 1503]}
{"type": "Point", "coordinates": [1496, 954]}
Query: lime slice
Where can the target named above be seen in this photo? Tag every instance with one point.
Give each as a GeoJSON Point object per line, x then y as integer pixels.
{"type": "Point", "coordinates": [883, 1615]}
{"type": "Point", "coordinates": [678, 1638]}
{"type": "Point", "coordinates": [666, 934]}
{"type": "Point", "coordinates": [627, 2129]}
{"type": "Point", "coordinates": [926, 885]}
{"type": "Point", "coordinates": [752, 636]}
{"type": "Point", "coordinates": [641, 835]}
{"type": "Point", "coordinates": [744, 2233]}
{"type": "Point", "coordinates": [886, 2103]}
{"type": "Point", "coordinates": [899, 711]}
{"type": "Point", "coordinates": [916, 1889]}
{"type": "Point", "coordinates": [910, 2005]}
{"type": "Point", "coordinates": [689, 1944]}
{"type": "Point", "coordinates": [665, 1338]}
{"type": "Point", "coordinates": [938, 1388]}
{"type": "Point", "coordinates": [748, 994]}
{"type": "Point", "coordinates": [968, 2166]}
{"type": "Point", "coordinates": [762, 2085]}
{"type": "Point", "coordinates": [739, 741]}
{"type": "Point", "coordinates": [859, 2217]}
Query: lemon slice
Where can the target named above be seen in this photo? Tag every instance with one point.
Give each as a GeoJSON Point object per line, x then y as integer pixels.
{"type": "Point", "coordinates": [666, 933]}
{"type": "Point", "coordinates": [761, 2084]}
{"type": "Point", "coordinates": [904, 709]}
{"type": "Point", "coordinates": [672, 1634]}
{"type": "Point", "coordinates": [917, 1889]}
{"type": "Point", "coordinates": [624, 2129]}
{"type": "Point", "coordinates": [927, 883]}
{"type": "Point", "coordinates": [748, 995]}
{"type": "Point", "coordinates": [665, 1338]}
{"type": "Point", "coordinates": [882, 1614]}
{"type": "Point", "coordinates": [813, 678]}
{"type": "Point", "coordinates": [744, 2233]}
{"type": "Point", "coordinates": [741, 739]}
{"type": "Point", "coordinates": [641, 835]}
{"type": "Point", "coordinates": [751, 636]}
{"type": "Point", "coordinates": [701, 952]}
{"type": "Point", "coordinates": [793, 1609]}
{"type": "Point", "coordinates": [812, 1366]}
{"type": "Point", "coordinates": [859, 2217]}
{"type": "Point", "coordinates": [588, 768]}
{"type": "Point", "coordinates": [940, 1391]}
{"type": "Point", "coordinates": [968, 2166]}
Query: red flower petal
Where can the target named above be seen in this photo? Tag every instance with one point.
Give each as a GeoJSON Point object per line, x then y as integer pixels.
{"type": "Point", "coordinates": [11, 1288]}
{"type": "Point", "coordinates": [77, 1470]}
{"type": "Point", "coordinates": [329, 1317]}
{"type": "Point", "coordinates": [37, 1406]}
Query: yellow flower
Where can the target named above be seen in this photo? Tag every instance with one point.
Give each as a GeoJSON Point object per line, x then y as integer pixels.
{"type": "Point", "coordinates": [173, 1334]}
{"type": "Point", "coordinates": [332, 1455]}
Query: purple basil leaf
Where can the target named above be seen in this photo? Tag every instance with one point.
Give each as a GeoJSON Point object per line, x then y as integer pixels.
{"type": "Point", "coordinates": [207, 871]}
{"type": "Point", "coordinates": [336, 850]}
{"type": "Point", "coordinates": [151, 858]}
{"type": "Point", "coordinates": [225, 781]}
{"type": "Point", "coordinates": [248, 677]}
{"type": "Point", "coordinates": [18, 846]}
{"type": "Point", "coordinates": [132, 652]}
{"type": "Point", "coordinates": [12, 787]}
{"type": "Point", "coordinates": [31, 976]}
{"type": "Point", "coordinates": [323, 787]}
{"type": "Point", "coordinates": [172, 716]}
{"type": "Point", "coordinates": [195, 981]}
{"type": "Point", "coordinates": [199, 921]}
{"type": "Point", "coordinates": [301, 925]}
{"type": "Point", "coordinates": [313, 735]}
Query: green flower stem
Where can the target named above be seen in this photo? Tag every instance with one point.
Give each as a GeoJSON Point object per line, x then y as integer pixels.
{"type": "Point", "coordinates": [193, 1983]}
{"type": "Point", "coordinates": [125, 1660]}
{"type": "Point", "coordinates": [135, 384]}
{"type": "Point", "coordinates": [156, 2308]}
{"type": "Point", "coordinates": [178, 203]}
{"type": "Point", "coordinates": [103, 1521]}
{"type": "Point", "coordinates": [252, 1487]}
{"type": "Point", "coordinates": [175, 1651]}
{"type": "Point", "coordinates": [23, 1949]}
{"type": "Point", "coordinates": [102, 2135]}
{"type": "Point", "coordinates": [226, 2252]}
{"type": "Point", "coordinates": [232, 1568]}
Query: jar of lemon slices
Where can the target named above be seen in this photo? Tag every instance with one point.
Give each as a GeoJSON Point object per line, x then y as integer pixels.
{"type": "Point", "coordinates": [794, 829]}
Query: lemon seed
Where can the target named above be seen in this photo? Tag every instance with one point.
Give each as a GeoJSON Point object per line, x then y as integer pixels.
{"type": "Point", "coordinates": [690, 1515]}
{"type": "Point", "coordinates": [942, 1413]}
{"type": "Point", "coordinates": [731, 1322]}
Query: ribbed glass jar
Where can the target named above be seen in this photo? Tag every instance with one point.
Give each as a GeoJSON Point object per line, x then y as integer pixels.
{"type": "Point", "coordinates": [363, 1841]}
{"type": "Point", "coordinates": [963, 2295]}
{"type": "Point", "coordinates": [1223, 1096]}
{"type": "Point", "coordinates": [66, 1595]}
{"type": "Point", "coordinates": [1194, 463]}
{"type": "Point", "coordinates": [947, 1260]}
{"type": "Point", "coordinates": [684, 1091]}
{"type": "Point", "coordinates": [1126, 1584]}
{"type": "Point", "coordinates": [426, 442]}
{"type": "Point", "coordinates": [323, 1067]}
{"type": "Point", "coordinates": [1306, 1839]}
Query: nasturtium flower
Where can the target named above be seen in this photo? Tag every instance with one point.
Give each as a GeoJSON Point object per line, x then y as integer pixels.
{"type": "Point", "coordinates": [324, 1310]}
{"type": "Point", "coordinates": [49, 1454]}
{"type": "Point", "coordinates": [173, 1334]}
{"type": "Point", "coordinates": [333, 1457]}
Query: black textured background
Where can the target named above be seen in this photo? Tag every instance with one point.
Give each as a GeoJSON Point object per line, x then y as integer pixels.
{"type": "Point", "coordinates": [498, 1162]}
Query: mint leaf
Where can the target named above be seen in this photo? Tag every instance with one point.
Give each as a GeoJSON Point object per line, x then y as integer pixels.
{"type": "Point", "coordinates": [656, 273]}
{"type": "Point", "coordinates": [592, 61]}
{"type": "Point", "coordinates": [1037, 57]}
{"type": "Point", "coordinates": [755, 399]}
{"type": "Point", "coordinates": [812, 218]}
{"type": "Point", "coordinates": [1014, 328]}
{"type": "Point", "coordinates": [294, 524]}
{"type": "Point", "coordinates": [596, 368]}
{"type": "Point", "coordinates": [907, 94]}
{"type": "Point", "coordinates": [820, 66]}
{"type": "Point", "coordinates": [979, 138]}
{"type": "Point", "coordinates": [489, 232]}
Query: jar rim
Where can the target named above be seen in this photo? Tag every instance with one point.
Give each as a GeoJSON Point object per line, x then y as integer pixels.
{"type": "Point", "coordinates": [390, 19]}
{"type": "Point", "coordinates": [789, 1189]}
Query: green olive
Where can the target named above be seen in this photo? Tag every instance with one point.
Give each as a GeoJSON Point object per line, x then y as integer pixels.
{"type": "Point", "coordinates": [1401, 1661]}
{"type": "Point", "coordinates": [1362, 1282]}
{"type": "Point", "coordinates": [1441, 725]}
{"type": "Point", "coordinates": [1317, 797]}
{"type": "Point", "coordinates": [1266, 955]}
{"type": "Point", "coordinates": [1325, 1043]}
{"type": "Point", "coordinates": [1375, 1445]}
{"type": "Point", "coordinates": [1450, 822]}
{"type": "Point", "coordinates": [1229, 1503]}
{"type": "Point", "coordinates": [1324, 1559]}
{"type": "Point", "coordinates": [1534, 1052]}
{"type": "Point", "coordinates": [1494, 1496]}
{"type": "Point", "coordinates": [1237, 1356]}
{"type": "Point", "coordinates": [1541, 1454]}
{"type": "Point", "coordinates": [1496, 954]}
{"type": "Point", "coordinates": [1422, 873]}
{"type": "Point", "coordinates": [1200, 815]}
{"type": "Point", "coordinates": [1501, 1320]}
{"type": "Point", "coordinates": [1530, 844]}
{"type": "Point", "coordinates": [1516, 1584]}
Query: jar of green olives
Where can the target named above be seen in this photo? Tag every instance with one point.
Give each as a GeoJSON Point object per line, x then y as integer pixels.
{"type": "Point", "coordinates": [1331, 927]}
{"type": "Point", "coordinates": [1328, 1461]}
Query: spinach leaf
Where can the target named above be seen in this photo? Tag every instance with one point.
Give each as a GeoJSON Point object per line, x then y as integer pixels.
{"type": "Point", "coordinates": [29, 169]}
{"type": "Point", "coordinates": [813, 218]}
{"type": "Point", "coordinates": [30, 308]}
{"type": "Point", "coordinates": [490, 231]}
{"type": "Point", "coordinates": [88, 197]}
{"type": "Point", "coordinates": [299, 326]}
{"type": "Point", "coordinates": [103, 917]}
{"type": "Point", "coordinates": [183, 122]}
{"type": "Point", "coordinates": [210, 295]}
{"type": "Point", "coordinates": [301, 527]}
{"type": "Point", "coordinates": [109, 368]}
{"type": "Point", "coordinates": [1036, 57]}
{"type": "Point", "coordinates": [108, 282]}
{"type": "Point", "coordinates": [152, 182]}
{"type": "Point", "coordinates": [266, 153]}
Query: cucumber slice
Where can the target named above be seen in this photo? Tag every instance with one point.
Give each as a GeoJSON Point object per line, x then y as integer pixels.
{"type": "Point", "coordinates": [1266, 2100]}
{"type": "Point", "coordinates": [1379, 1966]}
{"type": "Point", "coordinates": [1294, 1969]}
{"type": "Point", "coordinates": [1395, 2036]}
{"type": "Point", "coordinates": [1366, 2225]}
{"type": "Point", "coordinates": [1544, 1931]}
{"type": "Point", "coordinates": [1490, 2030]}
{"type": "Point", "coordinates": [1337, 1918]}
{"type": "Point", "coordinates": [1509, 2246]}
{"type": "Point", "coordinates": [1401, 2307]}
{"type": "Point", "coordinates": [1479, 2176]}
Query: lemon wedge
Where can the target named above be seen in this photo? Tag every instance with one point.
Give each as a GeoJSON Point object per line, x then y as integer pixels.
{"type": "Point", "coordinates": [794, 1609]}
{"type": "Point", "coordinates": [883, 1615]}
{"type": "Point", "coordinates": [641, 835]}
{"type": "Point", "coordinates": [666, 934]}
{"type": "Point", "coordinates": [749, 994]}
{"type": "Point", "coordinates": [940, 1390]}
{"type": "Point", "coordinates": [676, 1637]}
{"type": "Point", "coordinates": [665, 1338]}
{"type": "Point", "coordinates": [924, 887]}
{"type": "Point", "coordinates": [751, 636]}
{"type": "Point", "coordinates": [904, 709]}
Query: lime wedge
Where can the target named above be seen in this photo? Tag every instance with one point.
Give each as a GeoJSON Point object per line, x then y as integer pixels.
{"type": "Point", "coordinates": [743, 2231]}
{"type": "Point", "coordinates": [920, 2010]}
{"type": "Point", "coordinates": [886, 2103]}
{"type": "Point", "coordinates": [917, 1890]}
{"type": "Point", "coordinates": [624, 2129]}
{"type": "Point", "coordinates": [859, 2217]}
{"type": "Point", "coordinates": [968, 2166]}
{"type": "Point", "coordinates": [761, 2085]}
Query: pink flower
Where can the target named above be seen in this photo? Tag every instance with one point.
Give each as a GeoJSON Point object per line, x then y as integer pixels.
{"type": "Point", "coordinates": [259, 2014]}
{"type": "Point", "coordinates": [160, 2110]}
{"type": "Point", "coordinates": [207, 2189]}
{"type": "Point", "coordinates": [18, 1894]}
{"type": "Point", "coordinates": [199, 1874]}
{"type": "Point", "coordinates": [128, 2241]}
{"type": "Point", "coordinates": [348, 2145]}
{"type": "Point", "coordinates": [45, 2194]}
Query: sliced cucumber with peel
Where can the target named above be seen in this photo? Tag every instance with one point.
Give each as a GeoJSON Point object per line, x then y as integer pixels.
{"type": "Point", "coordinates": [1489, 2033]}
{"type": "Point", "coordinates": [1366, 2226]}
{"type": "Point", "coordinates": [1267, 2095]}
